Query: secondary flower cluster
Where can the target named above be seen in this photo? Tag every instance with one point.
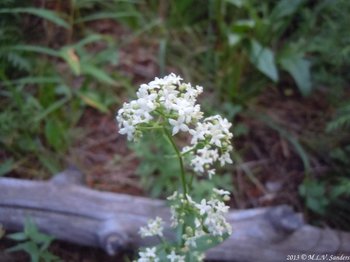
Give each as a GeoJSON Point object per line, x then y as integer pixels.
{"type": "Point", "coordinates": [169, 103]}
{"type": "Point", "coordinates": [210, 143]}
{"type": "Point", "coordinates": [209, 215]}
{"type": "Point", "coordinates": [154, 228]}
{"type": "Point", "coordinates": [207, 221]}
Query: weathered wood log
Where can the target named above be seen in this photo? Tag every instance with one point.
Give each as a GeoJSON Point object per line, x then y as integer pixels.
{"type": "Point", "coordinates": [71, 212]}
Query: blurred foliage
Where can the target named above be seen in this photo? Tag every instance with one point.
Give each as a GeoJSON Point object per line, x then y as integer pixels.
{"type": "Point", "coordinates": [159, 169]}
{"type": "Point", "coordinates": [53, 65]}
{"type": "Point", "coordinates": [33, 242]}
{"type": "Point", "coordinates": [45, 89]}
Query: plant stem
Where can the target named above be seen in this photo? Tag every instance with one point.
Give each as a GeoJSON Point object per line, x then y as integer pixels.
{"type": "Point", "coordinates": [183, 178]}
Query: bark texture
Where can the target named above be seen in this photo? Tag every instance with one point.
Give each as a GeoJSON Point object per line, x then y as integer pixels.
{"type": "Point", "coordinates": [67, 210]}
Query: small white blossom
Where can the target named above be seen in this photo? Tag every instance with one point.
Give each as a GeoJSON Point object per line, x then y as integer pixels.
{"type": "Point", "coordinates": [221, 192]}
{"type": "Point", "coordinates": [178, 99]}
{"type": "Point", "coordinates": [214, 133]}
{"type": "Point", "coordinates": [154, 228]}
{"type": "Point", "coordinates": [175, 258]}
{"type": "Point", "coordinates": [149, 255]}
{"type": "Point", "coordinates": [203, 207]}
{"type": "Point", "coordinates": [178, 125]}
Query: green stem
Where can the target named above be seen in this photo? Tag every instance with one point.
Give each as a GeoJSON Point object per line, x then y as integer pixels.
{"type": "Point", "coordinates": [183, 178]}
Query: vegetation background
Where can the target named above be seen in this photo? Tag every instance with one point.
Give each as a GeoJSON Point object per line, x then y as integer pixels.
{"type": "Point", "coordinates": [277, 69]}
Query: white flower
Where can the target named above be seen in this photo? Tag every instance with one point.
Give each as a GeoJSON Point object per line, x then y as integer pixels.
{"type": "Point", "coordinates": [197, 134]}
{"type": "Point", "coordinates": [225, 158]}
{"type": "Point", "coordinates": [211, 172]}
{"type": "Point", "coordinates": [175, 258]}
{"type": "Point", "coordinates": [214, 133]}
{"type": "Point", "coordinates": [128, 130]}
{"type": "Point", "coordinates": [203, 207]}
{"type": "Point", "coordinates": [173, 196]}
{"type": "Point", "coordinates": [221, 207]}
{"type": "Point", "coordinates": [149, 255]}
{"type": "Point", "coordinates": [178, 125]}
{"type": "Point", "coordinates": [221, 192]}
{"type": "Point", "coordinates": [162, 96]}
{"type": "Point", "coordinates": [154, 228]}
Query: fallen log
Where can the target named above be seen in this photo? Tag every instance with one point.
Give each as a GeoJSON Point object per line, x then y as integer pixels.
{"type": "Point", "coordinates": [67, 210]}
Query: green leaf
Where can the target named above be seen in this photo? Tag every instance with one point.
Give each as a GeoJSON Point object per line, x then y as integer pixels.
{"type": "Point", "coordinates": [18, 247]}
{"type": "Point", "coordinates": [314, 193]}
{"type": "Point", "coordinates": [29, 247]}
{"type": "Point", "coordinates": [43, 13]}
{"type": "Point", "coordinates": [317, 205]}
{"type": "Point", "coordinates": [206, 242]}
{"type": "Point", "coordinates": [29, 227]}
{"type": "Point", "coordinates": [87, 40]}
{"type": "Point", "coordinates": [289, 137]}
{"type": "Point", "coordinates": [17, 236]}
{"type": "Point", "coordinates": [48, 257]}
{"type": "Point", "coordinates": [237, 3]}
{"type": "Point", "coordinates": [106, 15]}
{"type": "Point", "coordinates": [36, 49]}
{"type": "Point", "coordinates": [264, 60]}
{"type": "Point", "coordinates": [6, 166]}
{"type": "Point", "coordinates": [94, 100]}
{"type": "Point", "coordinates": [54, 134]}
{"type": "Point", "coordinates": [69, 55]}
{"type": "Point", "coordinates": [53, 107]}
{"type": "Point", "coordinates": [98, 74]}
{"type": "Point", "coordinates": [50, 163]}
{"type": "Point", "coordinates": [285, 8]}
{"type": "Point", "coordinates": [299, 68]}
{"type": "Point", "coordinates": [31, 80]}
{"type": "Point", "coordinates": [243, 25]}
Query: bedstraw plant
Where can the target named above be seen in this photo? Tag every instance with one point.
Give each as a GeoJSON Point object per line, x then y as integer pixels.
{"type": "Point", "coordinates": [169, 106]}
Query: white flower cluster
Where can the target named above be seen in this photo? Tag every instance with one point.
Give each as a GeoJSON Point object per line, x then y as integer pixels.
{"type": "Point", "coordinates": [213, 133]}
{"type": "Point", "coordinates": [154, 228]}
{"type": "Point", "coordinates": [168, 94]}
{"type": "Point", "coordinates": [171, 105]}
{"type": "Point", "coordinates": [209, 221]}
{"type": "Point", "coordinates": [149, 255]}
{"type": "Point", "coordinates": [173, 257]}
{"type": "Point", "coordinates": [210, 218]}
{"type": "Point", "coordinates": [175, 102]}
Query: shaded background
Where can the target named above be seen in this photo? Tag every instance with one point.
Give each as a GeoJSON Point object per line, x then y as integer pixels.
{"type": "Point", "coordinates": [277, 69]}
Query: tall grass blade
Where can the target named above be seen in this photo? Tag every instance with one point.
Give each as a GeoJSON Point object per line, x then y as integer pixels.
{"type": "Point", "coordinates": [43, 13]}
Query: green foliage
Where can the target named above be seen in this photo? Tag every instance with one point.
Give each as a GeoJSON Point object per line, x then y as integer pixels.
{"type": "Point", "coordinates": [264, 60]}
{"type": "Point", "coordinates": [327, 196]}
{"type": "Point", "coordinates": [315, 195]}
{"type": "Point", "coordinates": [159, 169]}
{"type": "Point", "coordinates": [341, 120]}
{"type": "Point", "coordinates": [326, 23]}
{"type": "Point", "coordinates": [33, 242]}
{"type": "Point", "coordinates": [299, 68]}
{"type": "Point", "coordinates": [41, 102]}
{"type": "Point", "coordinates": [6, 166]}
{"type": "Point", "coordinates": [224, 42]}
{"type": "Point", "coordinates": [43, 13]}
